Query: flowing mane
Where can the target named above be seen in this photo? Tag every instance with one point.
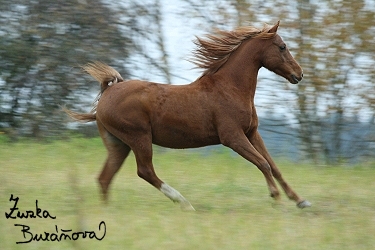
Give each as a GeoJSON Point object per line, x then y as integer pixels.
{"type": "Point", "coordinates": [214, 50]}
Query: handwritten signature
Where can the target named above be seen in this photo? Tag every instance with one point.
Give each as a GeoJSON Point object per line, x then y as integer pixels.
{"type": "Point", "coordinates": [58, 235]}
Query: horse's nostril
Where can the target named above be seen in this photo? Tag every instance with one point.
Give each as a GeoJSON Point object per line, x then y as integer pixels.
{"type": "Point", "coordinates": [301, 75]}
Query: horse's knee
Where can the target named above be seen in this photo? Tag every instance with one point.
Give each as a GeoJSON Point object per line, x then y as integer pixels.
{"type": "Point", "coordinates": [265, 168]}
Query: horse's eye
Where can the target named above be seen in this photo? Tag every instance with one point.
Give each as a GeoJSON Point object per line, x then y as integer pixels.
{"type": "Point", "coordinates": [282, 47]}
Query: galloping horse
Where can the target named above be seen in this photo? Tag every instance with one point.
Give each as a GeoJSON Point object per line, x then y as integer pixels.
{"type": "Point", "coordinates": [217, 108]}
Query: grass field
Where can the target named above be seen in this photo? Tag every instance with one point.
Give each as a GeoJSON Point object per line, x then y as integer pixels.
{"type": "Point", "coordinates": [234, 210]}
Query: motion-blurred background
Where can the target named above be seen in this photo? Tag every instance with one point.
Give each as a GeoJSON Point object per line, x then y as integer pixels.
{"type": "Point", "coordinates": [328, 118]}
{"type": "Point", "coordinates": [321, 132]}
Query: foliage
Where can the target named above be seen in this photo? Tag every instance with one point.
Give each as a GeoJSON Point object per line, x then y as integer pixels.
{"type": "Point", "coordinates": [42, 45]}
{"type": "Point", "coordinates": [44, 42]}
{"type": "Point", "coordinates": [335, 39]}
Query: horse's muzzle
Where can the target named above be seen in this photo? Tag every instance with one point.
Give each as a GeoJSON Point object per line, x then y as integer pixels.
{"type": "Point", "coordinates": [295, 79]}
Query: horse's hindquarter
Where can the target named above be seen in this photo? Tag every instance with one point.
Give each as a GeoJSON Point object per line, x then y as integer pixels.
{"type": "Point", "coordinates": [120, 108]}
{"type": "Point", "coordinates": [175, 116]}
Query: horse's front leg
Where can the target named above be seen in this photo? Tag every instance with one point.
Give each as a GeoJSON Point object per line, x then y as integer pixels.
{"type": "Point", "coordinates": [237, 141]}
{"type": "Point", "coordinates": [259, 145]}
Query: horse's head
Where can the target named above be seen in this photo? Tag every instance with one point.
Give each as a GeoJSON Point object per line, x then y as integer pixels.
{"type": "Point", "coordinates": [277, 58]}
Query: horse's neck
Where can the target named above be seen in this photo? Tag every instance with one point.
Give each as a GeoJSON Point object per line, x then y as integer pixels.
{"type": "Point", "coordinates": [240, 78]}
{"type": "Point", "coordinates": [241, 70]}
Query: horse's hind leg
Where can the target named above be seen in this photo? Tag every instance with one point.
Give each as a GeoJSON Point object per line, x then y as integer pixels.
{"type": "Point", "coordinates": [143, 155]}
{"type": "Point", "coordinates": [117, 152]}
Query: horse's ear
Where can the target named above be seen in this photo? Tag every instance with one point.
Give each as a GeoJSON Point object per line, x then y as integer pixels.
{"type": "Point", "coordinates": [274, 28]}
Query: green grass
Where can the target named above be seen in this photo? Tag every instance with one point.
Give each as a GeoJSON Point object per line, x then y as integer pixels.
{"type": "Point", "coordinates": [234, 210]}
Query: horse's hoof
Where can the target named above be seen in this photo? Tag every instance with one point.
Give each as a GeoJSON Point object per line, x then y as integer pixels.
{"type": "Point", "coordinates": [186, 206]}
{"type": "Point", "coordinates": [304, 204]}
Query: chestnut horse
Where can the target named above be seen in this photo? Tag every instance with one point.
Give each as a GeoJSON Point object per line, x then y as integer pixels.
{"type": "Point", "coordinates": [217, 108]}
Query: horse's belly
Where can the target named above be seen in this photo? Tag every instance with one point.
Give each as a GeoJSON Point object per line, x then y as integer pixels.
{"type": "Point", "coordinates": [183, 143]}
{"type": "Point", "coordinates": [172, 137]}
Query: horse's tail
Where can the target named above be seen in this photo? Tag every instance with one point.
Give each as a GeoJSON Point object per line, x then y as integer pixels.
{"type": "Point", "coordinates": [81, 117]}
{"type": "Point", "coordinates": [106, 76]}
{"type": "Point", "coordinates": [103, 73]}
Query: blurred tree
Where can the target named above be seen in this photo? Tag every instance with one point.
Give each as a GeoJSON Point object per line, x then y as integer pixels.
{"type": "Point", "coordinates": [148, 34]}
{"type": "Point", "coordinates": [334, 38]}
{"type": "Point", "coordinates": [307, 91]}
{"type": "Point", "coordinates": [43, 42]}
